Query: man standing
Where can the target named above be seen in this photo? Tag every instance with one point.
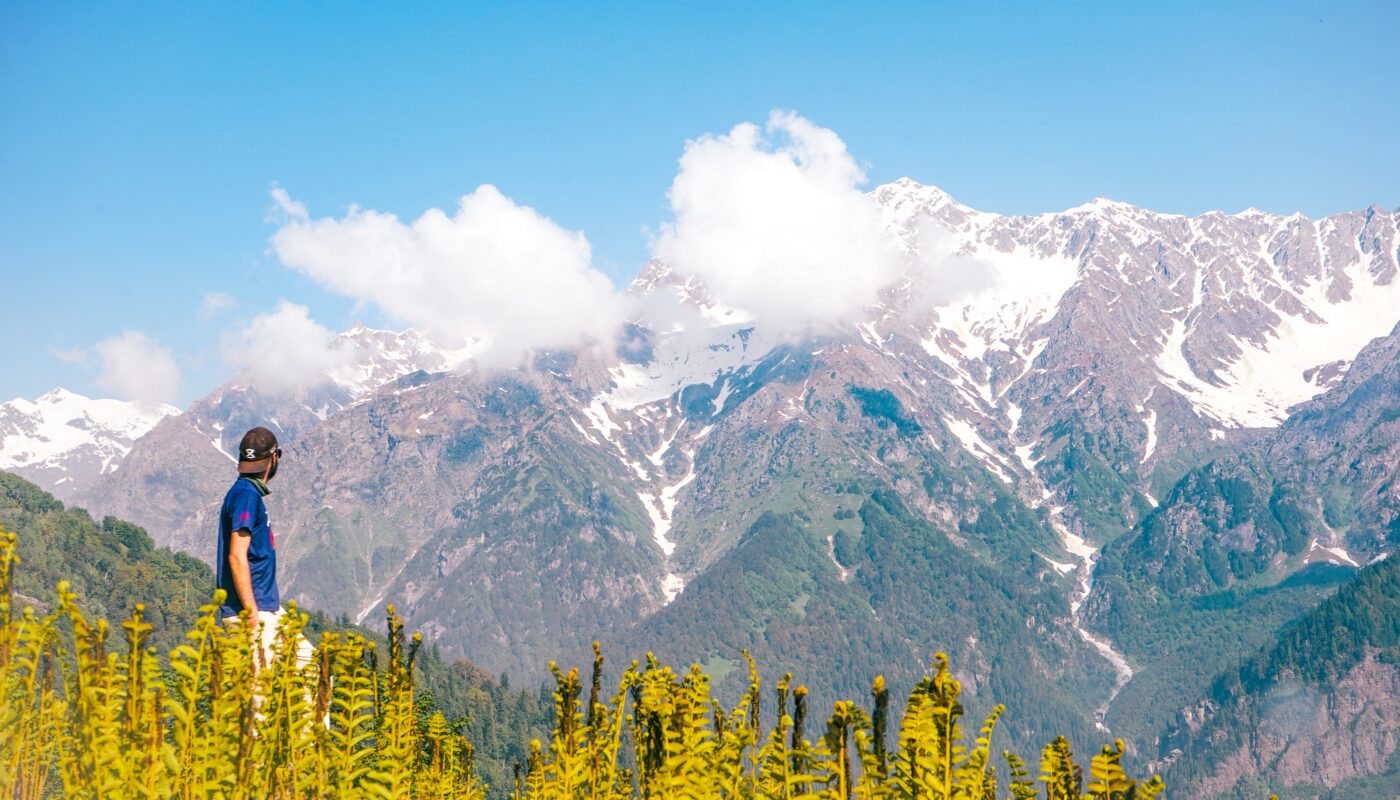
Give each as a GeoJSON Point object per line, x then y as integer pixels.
{"type": "Point", "coordinates": [246, 566]}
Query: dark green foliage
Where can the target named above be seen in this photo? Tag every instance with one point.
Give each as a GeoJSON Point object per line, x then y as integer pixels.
{"type": "Point", "coordinates": [1178, 647]}
{"type": "Point", "coordinates": [111, 566]}
{"type": "Point", "coordinates": [17, 493]}
{"type": "Point", "coordinates": [844, 546]}
{"type": "Point", "coordinates": [910, 591]}
{"type": "Point", "coordinates": [1300, 667]}
{"type": "Point", "coordinates": [134, 538]}
{"type": "Point", "coordinates": [1094, 476]}
{"type": "Point", "coordinates": [1291, 520]}
{"type": "Point", "coordinates": [498, 721]}
{"type": "Point", "coordinates": [883, 406]}
{"type": "Point", "coordinates": [465, 444]}
{"type": "Point", "coordinates": [1005, 525]}
{"type": "Point", "coordinates": [1194, 550]}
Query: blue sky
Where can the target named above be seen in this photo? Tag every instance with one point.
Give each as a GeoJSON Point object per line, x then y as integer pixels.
{"type": "Point", "coordinates": [139, 143]}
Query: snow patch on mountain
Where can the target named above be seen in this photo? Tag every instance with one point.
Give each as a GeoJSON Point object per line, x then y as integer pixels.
{"type": "Point", "coordinates": [661, 508]}
{"type": "Point", "coordinates": [842, 573]}
{"type": "Point", "coordinates": [1330, 554]}
{"type": "Point", "coordinates": [687, 358]}
{"type": "Point", "coordinates": [1264, 379]}
{"type": "Point", "coordinates": [973, 443]}
{"type": "Point", "coordinates": [381, 357]}
{"type": "Point", "coordinates": [1151, 424]}
{"type": "Point", "coordinates": [1021, 290]}
{"type": "Point", "coordinates": [1088, 556]}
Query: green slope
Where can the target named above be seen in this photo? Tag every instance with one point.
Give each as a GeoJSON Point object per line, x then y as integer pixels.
{"type": "Point", "coordinates": [1276, 699]}
{"type": "Point", "coordinates": [111, 565]}
{"type": "Point", "coordinates": [908, 592]}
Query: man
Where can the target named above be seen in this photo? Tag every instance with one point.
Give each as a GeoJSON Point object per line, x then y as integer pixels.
{"type": "Point", "coordinates": [246, 566]}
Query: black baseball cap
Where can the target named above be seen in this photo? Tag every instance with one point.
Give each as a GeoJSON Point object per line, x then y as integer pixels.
{"type": "Point", "coordinates": [258, 447]}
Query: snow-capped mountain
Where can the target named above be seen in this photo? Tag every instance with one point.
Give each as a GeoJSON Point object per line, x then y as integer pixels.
{"type": "Point", "coordinates": [1244, 315]}
{"type": "Point", "coordinates": [380, 357]}
{"type": "Point", "coordinates": [1024, 395]}
{"type": "Point", "coordinates": [63, 441]}
{"type": "Point", "coordinates": [188, 457]}
{"type": "Point", "coordinates": [1137, 342]}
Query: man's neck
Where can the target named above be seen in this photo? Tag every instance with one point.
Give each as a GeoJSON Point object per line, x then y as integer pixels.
{"type": "Point", "coordinates": [258, 483]}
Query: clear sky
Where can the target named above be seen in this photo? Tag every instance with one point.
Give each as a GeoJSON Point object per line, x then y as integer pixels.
{"type": "Point", "coordinates": [139, 142]}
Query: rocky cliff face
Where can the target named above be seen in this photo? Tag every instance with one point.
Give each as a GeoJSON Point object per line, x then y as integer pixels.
{"type": "Point", "coordinates": [1313, 714]}
{"type": "Point", "coordinates": [1309, 742]}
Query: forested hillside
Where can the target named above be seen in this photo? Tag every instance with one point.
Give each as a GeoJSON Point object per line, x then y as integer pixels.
{"type": "Point", "coordinates": [903, 590]}
{"type": "Point", "coordinates": [1251, 540]}
{"type": "Point", "coordinates": [1316, 714]}
{"type": "Point", "coordinates": [111, 565]}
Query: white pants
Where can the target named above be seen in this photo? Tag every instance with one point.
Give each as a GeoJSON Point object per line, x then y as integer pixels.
{"type": "Point", "coordinates": [267, 639]}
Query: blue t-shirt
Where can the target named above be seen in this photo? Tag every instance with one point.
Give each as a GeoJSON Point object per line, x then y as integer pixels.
{"type": "Point", "coordinates": [244, 510]}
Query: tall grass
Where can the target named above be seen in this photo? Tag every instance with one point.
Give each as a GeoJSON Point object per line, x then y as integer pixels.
{"type": "Point", "coordinates": [207, 720]}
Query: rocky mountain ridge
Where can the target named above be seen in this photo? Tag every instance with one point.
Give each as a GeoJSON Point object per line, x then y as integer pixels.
{"type": "Point", "coordinates": [1033, 385]}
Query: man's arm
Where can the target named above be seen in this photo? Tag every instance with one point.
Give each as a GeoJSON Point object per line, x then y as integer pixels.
{"type": "Point", "coordinates": [242, 574]}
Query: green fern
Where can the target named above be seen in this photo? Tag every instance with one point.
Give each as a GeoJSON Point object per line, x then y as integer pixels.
{"type": "Point", "coordinates": [80, 722]}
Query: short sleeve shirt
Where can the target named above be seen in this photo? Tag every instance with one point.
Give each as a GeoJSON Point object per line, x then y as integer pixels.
{"type": "Point", "coordinates": [244, 509]}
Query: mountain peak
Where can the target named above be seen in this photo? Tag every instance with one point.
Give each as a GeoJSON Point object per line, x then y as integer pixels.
{"type": "Point", "coordinates": [906, 200]}
{"type": "Point", "coordinates": [1102, 204]}
{"type": "Point", "coordinates": [56, 395]}
{"type": "Point", "coordinates": [360, 329]}
{"type": "Point", "coordinates": [926, 194]}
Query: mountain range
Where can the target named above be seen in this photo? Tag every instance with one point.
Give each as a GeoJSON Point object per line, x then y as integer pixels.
{"type": "Point", "coordinates": [1099, 456]}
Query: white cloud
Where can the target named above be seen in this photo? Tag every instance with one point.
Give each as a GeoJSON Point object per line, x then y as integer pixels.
{"type": "Point", "coordinates": [493, 271]}
{"type": "Point", "coordinates": [773, 221]}
{"type": "Point", "coordinates": [288, 207]}
{"type": "Point", "coordinates": [79, 356]}
{"type": "Point", "coordinates": [133, 366]}
{"type": "Point", "coordinates": [942, 275]}
{"type": "Point", "coordinates": [285, 349]}
{"type": "Point", "coordinates": [215, 303]}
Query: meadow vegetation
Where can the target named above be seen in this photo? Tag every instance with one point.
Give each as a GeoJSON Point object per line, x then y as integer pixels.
{"type": "Point", "coordinates": [92, 715]}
